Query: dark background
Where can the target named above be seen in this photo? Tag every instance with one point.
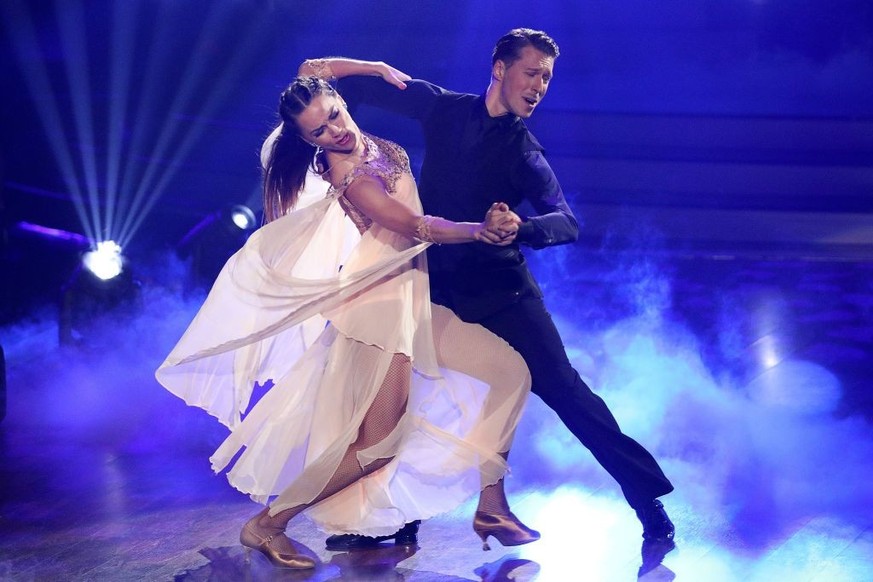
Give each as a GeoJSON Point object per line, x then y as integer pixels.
{"type": "Point", "coordinates": [728, 125]}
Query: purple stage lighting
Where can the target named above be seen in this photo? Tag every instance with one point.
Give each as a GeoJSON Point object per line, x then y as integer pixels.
{"type": "Point", "coordinates": [53, 234]}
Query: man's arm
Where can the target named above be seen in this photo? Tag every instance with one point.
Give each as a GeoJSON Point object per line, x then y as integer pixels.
{"type": "Point", "coordinates": [554, 223]}
{"type": "Point", "coordinates": [415, 102]}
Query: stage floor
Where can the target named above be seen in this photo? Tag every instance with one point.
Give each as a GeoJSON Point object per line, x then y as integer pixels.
{"type": "Point", "coordinates": [748, 378]}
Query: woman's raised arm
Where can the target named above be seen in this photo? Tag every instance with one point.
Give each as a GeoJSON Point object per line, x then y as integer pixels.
{"type": "Point", "coordinates": [339, 67]}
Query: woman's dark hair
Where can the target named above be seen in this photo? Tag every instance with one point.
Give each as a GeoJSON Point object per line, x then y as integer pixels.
{"type": "Point", "coordinates": [290, 156]}
{"type": "Point", "coordinates": [508, 47]}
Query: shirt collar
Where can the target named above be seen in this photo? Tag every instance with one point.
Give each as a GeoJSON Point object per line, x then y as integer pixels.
{"type": "Point", "coordinates": [507, 120]}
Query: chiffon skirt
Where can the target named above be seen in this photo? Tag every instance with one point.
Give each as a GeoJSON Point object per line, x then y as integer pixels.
{"type": "Point", "coordinates": [283, 312]}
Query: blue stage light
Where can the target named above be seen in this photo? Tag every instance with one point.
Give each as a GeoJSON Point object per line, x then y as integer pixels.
{"type": "Point", "coordinates": [211, 241]}
{"type": "Point", "coordinates": [243, 217]}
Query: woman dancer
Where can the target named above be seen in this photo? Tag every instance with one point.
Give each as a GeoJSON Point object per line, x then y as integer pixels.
{"type": "Point", "coordinates": [384, 407]}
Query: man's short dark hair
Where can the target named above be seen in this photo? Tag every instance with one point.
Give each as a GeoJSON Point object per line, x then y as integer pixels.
{"type": "Point", "coordinates": [508, 48]}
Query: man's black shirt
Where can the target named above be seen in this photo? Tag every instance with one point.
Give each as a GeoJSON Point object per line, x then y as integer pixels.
{"type": "Point", "coordinates": [471, 161]}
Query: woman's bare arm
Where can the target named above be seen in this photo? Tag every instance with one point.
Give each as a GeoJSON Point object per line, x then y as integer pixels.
{"type": "Point", "coordinates": [368, 194]}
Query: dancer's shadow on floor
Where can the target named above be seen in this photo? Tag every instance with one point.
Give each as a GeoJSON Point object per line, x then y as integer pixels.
{"type": "Point", "coordinates": [230, 564]}
{"type": "Point", "coordinates": [508, 568]}
{"type": "Point", "coordinates": [379, 564]}
{"type": "Point", "coordinates": [372, 565]}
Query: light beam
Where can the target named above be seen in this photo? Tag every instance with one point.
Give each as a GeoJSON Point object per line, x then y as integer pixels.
{"type": "Point", "coordinates": [21, 32]}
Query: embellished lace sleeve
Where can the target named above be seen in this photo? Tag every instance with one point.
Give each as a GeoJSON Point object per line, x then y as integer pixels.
{"type": "Point", "coordinates": [321, 68]}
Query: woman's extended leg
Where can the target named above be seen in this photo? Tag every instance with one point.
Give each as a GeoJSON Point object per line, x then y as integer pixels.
{"type": "Point", "coordinates": [477, 352]}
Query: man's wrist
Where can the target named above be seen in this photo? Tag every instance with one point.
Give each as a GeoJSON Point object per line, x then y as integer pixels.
{"type": "Point", "coordinates": [525, 231]}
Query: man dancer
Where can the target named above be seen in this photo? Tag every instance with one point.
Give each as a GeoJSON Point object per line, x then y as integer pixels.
{"type": "Point", "coordinates": [479, 151]}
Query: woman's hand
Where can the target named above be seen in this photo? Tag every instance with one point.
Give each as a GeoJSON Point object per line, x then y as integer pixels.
{"type": "Point", "coordinates": [500, 226]}
{"type": "Point", "coordinates": [391, 75]}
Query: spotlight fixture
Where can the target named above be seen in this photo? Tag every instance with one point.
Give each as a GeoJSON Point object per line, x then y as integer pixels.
{"type": "Point", "coordinates": [106, 261]}
{"type": "Point", "coordinates": [243, 217]}
{"type": "Point", "coordinates": [100, 290]}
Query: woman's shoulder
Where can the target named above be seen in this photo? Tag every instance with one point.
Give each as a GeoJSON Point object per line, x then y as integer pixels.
{"type": "Point", "coordinates": [385, 160]}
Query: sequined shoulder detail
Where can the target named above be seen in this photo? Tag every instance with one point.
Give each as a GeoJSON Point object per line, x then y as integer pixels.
{"type": "Point", "coordinates": [384, 160]}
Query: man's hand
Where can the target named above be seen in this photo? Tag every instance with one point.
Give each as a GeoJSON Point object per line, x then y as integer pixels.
{"type": "Point", "coordinates": [500, 226]}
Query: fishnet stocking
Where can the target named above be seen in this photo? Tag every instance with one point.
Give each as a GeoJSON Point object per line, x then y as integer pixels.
{"type": "Point", "coordinates": [492, 499]}
{"type": "Point", "coordinates": [381, 418]}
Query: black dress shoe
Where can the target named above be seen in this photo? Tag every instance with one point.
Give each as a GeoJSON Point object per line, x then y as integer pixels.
{"type": "Point", "coordinates": [405, 536]}
{"type": "Point", "coordinates": [653, 553]}
{"type": "Point", "coordinates": [656, 524]}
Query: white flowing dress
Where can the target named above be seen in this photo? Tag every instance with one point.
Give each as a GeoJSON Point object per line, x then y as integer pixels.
{"type": "Point", "coordinates": [284, 309]}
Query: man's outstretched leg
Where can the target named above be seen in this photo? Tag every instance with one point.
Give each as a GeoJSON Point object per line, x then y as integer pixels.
{"type": "Point", "coordinates": [528, 327]}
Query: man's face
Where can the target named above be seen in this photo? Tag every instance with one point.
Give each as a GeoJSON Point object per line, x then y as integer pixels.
{"type": "Point", "coordinates": [524, 83]}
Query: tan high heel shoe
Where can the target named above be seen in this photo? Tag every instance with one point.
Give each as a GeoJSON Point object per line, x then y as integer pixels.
{"type": "Point", "coordinates": [507, 529]}
{"type": "Point", "coordinates": [251, 540]}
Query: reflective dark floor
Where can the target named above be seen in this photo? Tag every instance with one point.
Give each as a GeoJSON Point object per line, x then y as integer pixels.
{"type": "Point", "coordinates": [748, 378]}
